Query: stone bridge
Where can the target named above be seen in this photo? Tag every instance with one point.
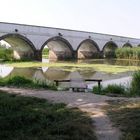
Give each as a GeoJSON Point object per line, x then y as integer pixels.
{"type": "Point", "coordinates": [28, 41]}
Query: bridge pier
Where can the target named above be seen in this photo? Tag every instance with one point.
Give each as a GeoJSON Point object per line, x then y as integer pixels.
{"type": "Point", "coordinates": [38, 55]}
{"type": "Point", "coordinates": [28, 41]}
{"type": "Point", "coordinates": [75, 55]}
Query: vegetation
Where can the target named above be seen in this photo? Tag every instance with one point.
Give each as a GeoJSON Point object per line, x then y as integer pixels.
{"type": "Point", "coordinates": [128, 53]}
{"type": "Point", "coordinates": [115, 89]}
{"type": "Point", "coordinates": [74, 66]}
{"type": "Point", "coordinates": [133, 90]}
{"type": "Point", "coordinates": [45, 53]}
{"type": "Point", "coordinates": [6, 54]}
{"type": "Point", "coordinates": [19, 81]}
{"type": "Point", "coordinates": [135, 84]}
{"type": "Point", "coordinates": [126, 116]}
{"type": "Point", "coordinates": [111, 90]}
{"type": "Point", "coordinates": [28, 118]}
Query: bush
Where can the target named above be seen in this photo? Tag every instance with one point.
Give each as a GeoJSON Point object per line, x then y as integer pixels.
{"type": "Point", "coordinates": [6, 54]}
{"type": "Point", "coordinates": [97, 90]}
{"type": "Point", "coordinates": [135, 84]}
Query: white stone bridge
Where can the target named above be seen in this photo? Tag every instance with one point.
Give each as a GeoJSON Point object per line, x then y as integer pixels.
{"type": "Point", "coordinates": [28, 41]}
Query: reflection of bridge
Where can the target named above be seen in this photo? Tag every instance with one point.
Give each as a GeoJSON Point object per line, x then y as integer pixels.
{"type": "Point", "coordinates": [28, 42]}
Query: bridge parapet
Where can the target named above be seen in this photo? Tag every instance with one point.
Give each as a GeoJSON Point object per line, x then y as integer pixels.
{"type": "Point", "coordinates": [38, 35]}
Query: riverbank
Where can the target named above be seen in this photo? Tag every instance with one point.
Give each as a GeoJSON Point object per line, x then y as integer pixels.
{"type": "Point", "coordinates": [87, 102]}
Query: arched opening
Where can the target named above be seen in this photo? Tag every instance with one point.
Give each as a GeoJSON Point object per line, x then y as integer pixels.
{"type": "Point", "coordinates": [109, 50]}
{"type": "Point", "coordinates": [88, 49]}
{"type": "Point", "coordinates": [53, 73]}
{"type": "Point", "coordinates": [21, 47]}
{"type": "Point", "coordinates": [128, 45]}
{"type": "Point", "coordinates": [58, 49]}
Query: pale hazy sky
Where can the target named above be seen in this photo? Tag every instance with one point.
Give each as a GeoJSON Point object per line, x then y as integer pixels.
{"type": "Point", "coordinates": [119, 17]}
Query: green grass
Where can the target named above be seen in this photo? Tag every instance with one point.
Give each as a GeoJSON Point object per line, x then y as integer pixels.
{"type": "Point", "coordinates": [18, 81]}
{"type": "Point", "coordinates": [126, 116]}
{"type": "Point", "coordinates": [115, 89]}
{"type": "Point", "coordinates": [28, 118]}
{"type": "Point", "coordinates": [120, 90]}
{"type": "Point", "coordinates": [111, 90]}
{"type": "Point", "coordinates": [73, 66]}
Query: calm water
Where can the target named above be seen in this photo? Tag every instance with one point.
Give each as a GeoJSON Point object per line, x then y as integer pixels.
{"type": "Point", "coordinates": [53, 73]}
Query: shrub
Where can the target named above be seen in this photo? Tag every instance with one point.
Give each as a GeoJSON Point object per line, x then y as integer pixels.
{"type": "Point", "coordinates": [6, 54]}
{"type": "Point", "coordinates": [116, 89]}
{"type": "Point", "coordinates": [97, 90]}
{"type": "Point", "coordinates": [113, 89]}
{"type": "Point", "coordinates": [135, 84]}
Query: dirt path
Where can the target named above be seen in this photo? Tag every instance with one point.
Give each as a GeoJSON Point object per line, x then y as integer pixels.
{"type": "Point", "coordinates": [87, 102]}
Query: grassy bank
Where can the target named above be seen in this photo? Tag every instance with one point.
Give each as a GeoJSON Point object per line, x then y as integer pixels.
{"type": "Point", "coordinates": [120, 90]}
{"type": "Point", "coordinates": [28, 118]}
{"type": "Point", "coordinates": [18, 81]}
{"type": "Point", "coordinates": [126, 116]}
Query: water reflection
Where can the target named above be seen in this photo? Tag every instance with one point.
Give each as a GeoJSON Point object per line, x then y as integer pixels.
{"type": "Point", "coordinates": [57, 73]}
{"type": "Point", "coordinates": [5, 71]}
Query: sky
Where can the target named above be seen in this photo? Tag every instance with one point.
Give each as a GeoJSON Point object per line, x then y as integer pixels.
{"type": "Point", "coordinates": [117, 17]}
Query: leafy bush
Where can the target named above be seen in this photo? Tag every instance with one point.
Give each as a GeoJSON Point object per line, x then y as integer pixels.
{"type": "Point", "coordinates": [45, 52]}
{"type": "Point", "coordinates": [6, 54]}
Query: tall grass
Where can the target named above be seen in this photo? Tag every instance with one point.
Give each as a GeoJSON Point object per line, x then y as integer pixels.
{"type": "Point", "coordinates": [18, 81]}
{"type": "Point", "coordinates": [128, 53]}
{"type": "Point", "coordinates": [112, 89]}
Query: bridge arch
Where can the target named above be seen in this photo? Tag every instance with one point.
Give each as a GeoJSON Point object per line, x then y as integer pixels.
{"type": "Point", "coordinates": [22, 47]}
{"type": "Point", "coordinates": [128, 45]}
{"type": "Point", "coordinates": [88, 49]}
{"type": "Point", "coordinates": [109, 49]}
{"type": "Point", "coordinates": [59, 48]}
